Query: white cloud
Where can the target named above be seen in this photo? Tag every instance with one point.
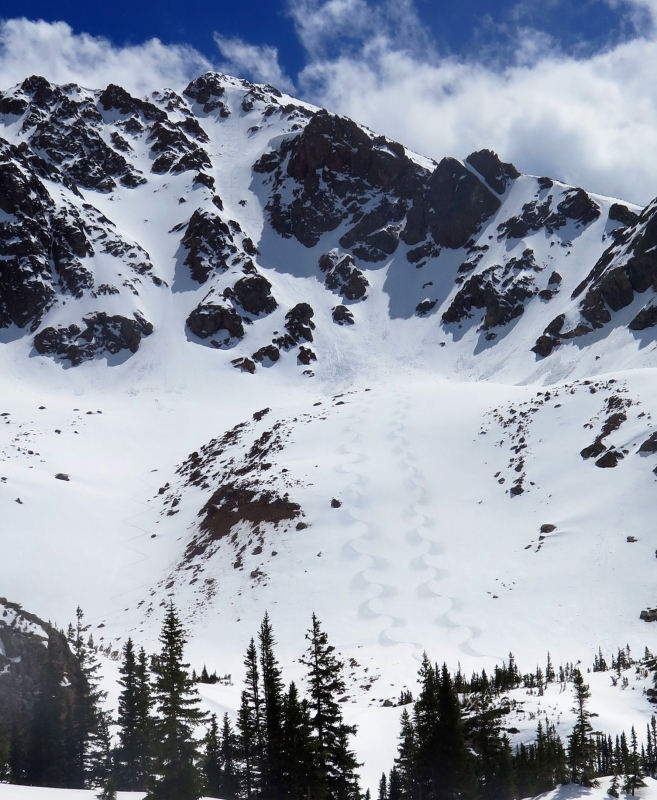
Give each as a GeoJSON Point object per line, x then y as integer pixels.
{"type": "Point", "coordinates": [590, 121]}
{"type": "Point", "coordinates": [54, 51]}
{"type": "Point", "coordinates": [260, 63]}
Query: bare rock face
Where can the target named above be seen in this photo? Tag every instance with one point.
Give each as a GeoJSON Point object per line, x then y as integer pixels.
{"type": "Point", "coordinates": [269, 351]}
{"type": "Point", "coordinates": [343, 276]}
{"type": "Point", "coordinates": [628, 267]}
{"type": "Point", "coordinates": [502, 291]}
{"type": "Point", "coordinates": [207, 90]}
{"type": "Point", "coordinates": [650, 444]}
{"type": "Point", "coordinates": [207, 319]}
{"type": "Point", "coordinates": [298, 322]}
{"type": "Point", "coordinates": [33, 657]}
{"type": "Point", "coordinates": [342, 315]}
{"type": "Point", "coordinates": [253, 294]}
{"type": "Point", "coordinates": [496, 173]}
{"type": "Point", "coordinates": [452, 206]}
{"type": "Point", "coordinates": [209, 243]}
{"type": "Point", "coordinates": [67, 127]}
{"type": "Point", "coordinates": [336, 166]}
{"type": "Point", "coordinates": [620, 213]}
{"type": "Point", "coordinates": [102, 333]}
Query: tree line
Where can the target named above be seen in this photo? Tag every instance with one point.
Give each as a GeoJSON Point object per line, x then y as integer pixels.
{"type": "Point", "coordinates": [285, 745]}
{"type": "Point", "coordinates": [290, 744]}
{"type": "Point", "coordinates": [452, 744]}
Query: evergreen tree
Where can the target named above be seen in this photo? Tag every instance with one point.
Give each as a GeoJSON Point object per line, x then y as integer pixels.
{"type": "Point", "coordinates": [633, 772]}
{"type": "Point", "coordinates": [272, 702]}
{"type": "Point", "coordinates": [495, 763]}
{"type": "Point", "coordinates": [581, 748]}
{"type": "Point", "coordinates": [394, 785]}
{"type": "Point", "coordinates": [614, 786]}
{"type": "Point", "coordinates": [302, 776]}
{"type": "Point", "coordinates": [108, 792]}
{"type": "Point", "coordinates": [212, 760]}
{"type": "Point", "coordinates": [383, 787]}
{"type": "Point", "coordinates": [251, 725]}
{"type": "Point", "coordinates": [177, 775]}
{"type": "Point", "coordinates": [336, 761]}
{"type": "Point", "coordinates": [549, 670]}
{"type": "Point", "coordinates": [85, 712]}
{"type": "Point", "coordinates": [100, 765]}
{"type": "Point", "coordinates": [46, 762]}
{"type": "Point", "coordinates": [230, 783]}
{"type": "Point", "coordinates": [405, 763]}
{"type": "Point", "coordinates": [135, 721]}
{"type": "Point", "coordinates": [248, 746]}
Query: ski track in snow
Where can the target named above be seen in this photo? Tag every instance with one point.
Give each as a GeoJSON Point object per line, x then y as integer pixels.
{"type": "Point", "coordinates": [419, 534]}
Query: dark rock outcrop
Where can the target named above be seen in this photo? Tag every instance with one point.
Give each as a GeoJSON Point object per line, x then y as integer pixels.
{"type": "Point", "coordinates": [33, 657]}
{"type": "Point", "coordinates": [495, 172]}
{"type": "Point", "coordinates": [502, 291]}
{"type": "Point", "coordinates": [269, 351]}
{"type": "Point", "coordinates": [102, 333]}
{"type": "Point", "coordinates": [342, 315]}
{"type": "Point", "coordinates": [210, 318]}
{"type": "Point", "coordinates": [336, 166]}
{"type": "Point", "coordinates": [298, 322]}
{"type": "Point", "coordinates": [609, 459]}
{"type": "Point", "coordinates": [650, 444]}
{"type": "Point", "coordinates": [343, 276]}
{"type": "Point", "coordinates": [253, 294]}
{"type": "Point", "coordinates": [627, 267]}
{"type": "Point", "coordinates": [210, 244]}
{"type": "Point", "coordinates": [622, 214]}
{"type": "Point", "coordinates": [646, 318]}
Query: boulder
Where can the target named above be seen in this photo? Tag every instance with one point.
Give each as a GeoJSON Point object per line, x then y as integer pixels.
{"type": "Point", "coordinates": [210, 318]}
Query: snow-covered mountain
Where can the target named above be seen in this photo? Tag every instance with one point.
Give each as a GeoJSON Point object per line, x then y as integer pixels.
{"type": "Point", "coordinates": [255, 356]}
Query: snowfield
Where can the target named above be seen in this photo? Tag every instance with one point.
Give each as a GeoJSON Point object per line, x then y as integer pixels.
{"type": "Point", "coordinates": [419, 430]}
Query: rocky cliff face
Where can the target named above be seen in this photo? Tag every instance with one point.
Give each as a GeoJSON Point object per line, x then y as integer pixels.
{"type": "Point", "coordinates": [111, 204]}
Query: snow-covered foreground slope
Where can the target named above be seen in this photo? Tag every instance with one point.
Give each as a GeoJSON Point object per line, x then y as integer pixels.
{"type": "Point", "coordinates": [216, 431]}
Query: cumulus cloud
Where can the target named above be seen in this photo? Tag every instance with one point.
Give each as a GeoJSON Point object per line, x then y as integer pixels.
{"type": "Point", "coordinates": [590, 121]}
{"type": "Point", "coordinates": [260, 63]}
{"type": "Point", "coordinates": [53, 50]}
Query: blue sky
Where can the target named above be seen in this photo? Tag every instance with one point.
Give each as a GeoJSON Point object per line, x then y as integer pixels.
{"type": "Point", "coordinates": [477, 29]}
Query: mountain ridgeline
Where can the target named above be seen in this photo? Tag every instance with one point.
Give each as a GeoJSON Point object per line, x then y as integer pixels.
{"type": "Point", "coordinates": [111, 202]}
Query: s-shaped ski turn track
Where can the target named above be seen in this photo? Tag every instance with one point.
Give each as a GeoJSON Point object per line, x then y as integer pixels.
{"type": "Point", "coordinates": [398, 546]}
{"type": "Point", "coordinates": [418, 536]}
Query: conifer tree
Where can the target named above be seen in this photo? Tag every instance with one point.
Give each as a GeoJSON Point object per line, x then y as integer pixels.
{"type": "Point", "coordinates": [248, 746]}
{"type": "Point", "coordinates": [212, 760]}
{"type": "Point", "coordinates": [325, 683]}
{"type": "Point", "coordinates": [272, 713]}
{"type": "Point", "coordinates": [108, 792]}
{"type": "Point", "coordinates": [135, 721]}
{"type": "Point", "coordinates": [633, 772]}
{"type": "Point", "coordinates": [177, 774]}
{"type": "Point", "coordinates": [581, 748]}
{"type": "Point", "coordinates": [301, 773]}
{"type": "Point", "coordinates": [87, 696]}
{"type": "Point", "coordinates": [383, 787]}
{"type": "Point", "coordinates": [394, 785]}
{"type": "Point", "coordinates": [100, 763]}
{"type": "Point", "coordinates": [47, 761]}
{"type": "Point", "coordinates": [405, 763]}
{"type": "Point", "coordinates": [614, 786]}
{"type": "Point", "coordinates": [230, 784]}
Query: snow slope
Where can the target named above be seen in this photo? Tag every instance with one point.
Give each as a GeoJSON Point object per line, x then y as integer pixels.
{"type": "Point", "coordinates": [419, 427]}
